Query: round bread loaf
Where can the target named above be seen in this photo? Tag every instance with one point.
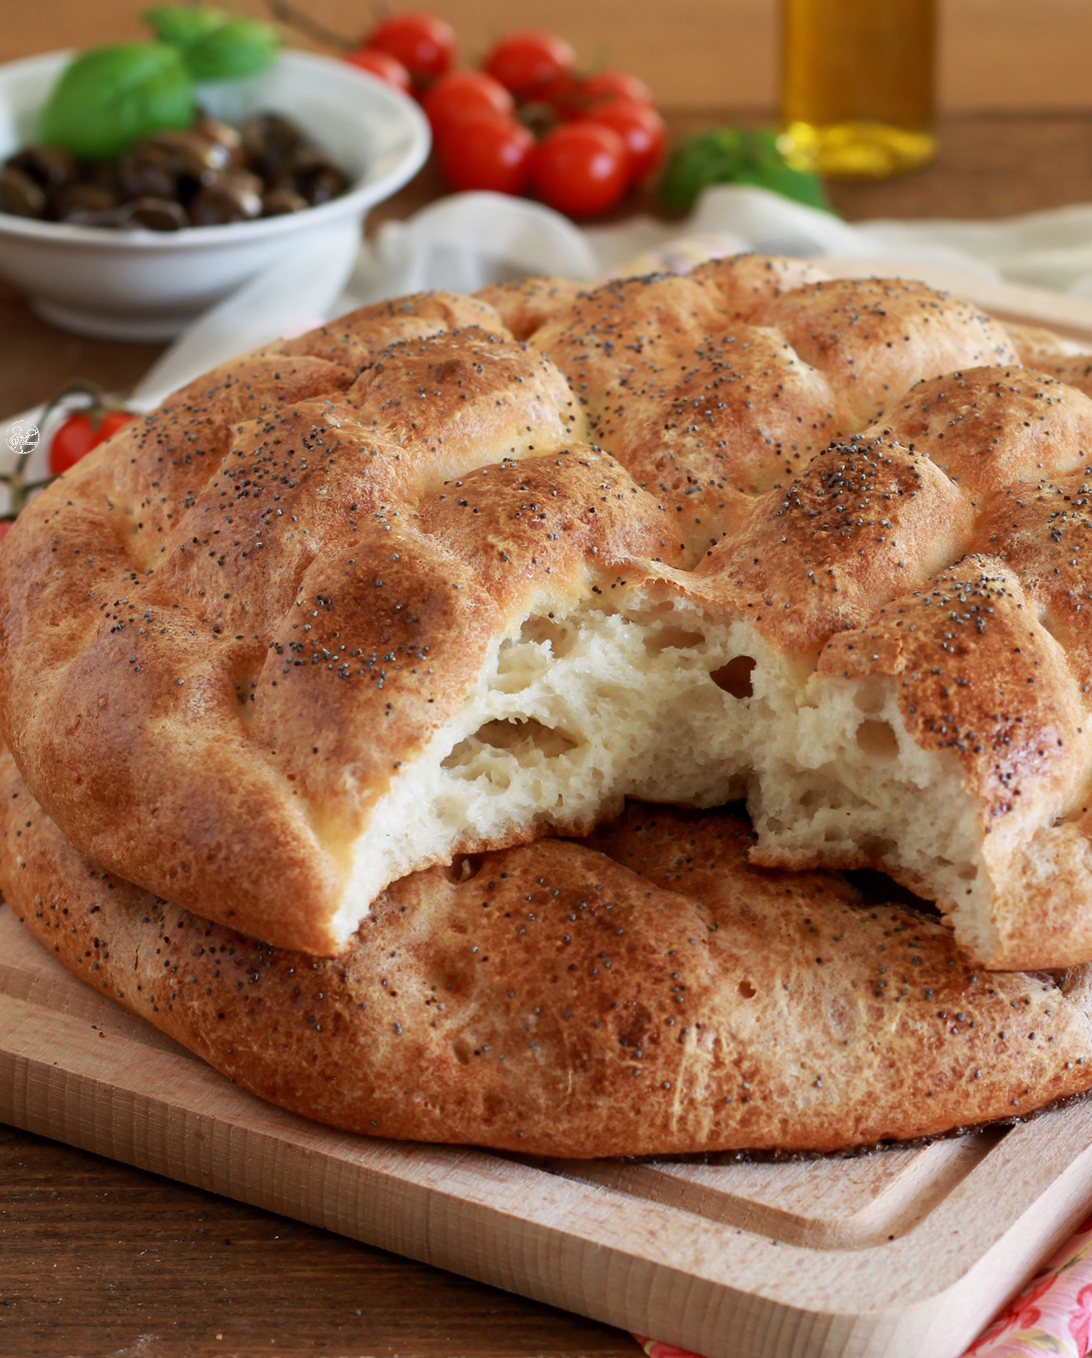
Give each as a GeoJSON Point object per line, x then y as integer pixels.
{"type": "Point", "coordinates": [454, 573]}
{"type": "Point", "coordinates": [648, 992]}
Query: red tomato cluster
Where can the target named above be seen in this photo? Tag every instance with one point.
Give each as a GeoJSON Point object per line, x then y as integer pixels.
{"type": "Point", "coordinates": [599, 135]}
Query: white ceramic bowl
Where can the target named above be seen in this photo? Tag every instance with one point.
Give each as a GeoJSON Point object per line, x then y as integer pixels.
{"type": "Point", "coordinates": [149, 285]}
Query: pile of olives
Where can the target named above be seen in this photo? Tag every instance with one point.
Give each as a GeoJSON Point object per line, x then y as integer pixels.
{"type": "Point", "coordinates": [209, 176]}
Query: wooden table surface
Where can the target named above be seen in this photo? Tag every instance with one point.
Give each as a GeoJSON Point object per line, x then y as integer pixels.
{"type": "Point", "coordinates": [99, 1259]}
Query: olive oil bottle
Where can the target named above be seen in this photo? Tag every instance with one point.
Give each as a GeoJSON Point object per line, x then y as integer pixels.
{"type": "Point", "coordinates": [857, 96]}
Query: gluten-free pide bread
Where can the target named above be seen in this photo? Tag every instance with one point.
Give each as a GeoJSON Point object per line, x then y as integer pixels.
{"type": "Point", "coordinates": [648, 992]}
{"type": "Point", "coordinates": [452, 574]}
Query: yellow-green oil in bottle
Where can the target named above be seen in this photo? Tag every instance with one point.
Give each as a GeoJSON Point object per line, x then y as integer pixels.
{"type": "Point", "coordinates": [857, 91]}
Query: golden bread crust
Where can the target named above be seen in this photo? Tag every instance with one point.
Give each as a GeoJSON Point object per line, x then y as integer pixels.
{"type": "Point", "coordinates": [647, 993]}
{"type": "Point", "coordinates": [523, 306]}
{"type": "Point", "coordinates": [227, 636]}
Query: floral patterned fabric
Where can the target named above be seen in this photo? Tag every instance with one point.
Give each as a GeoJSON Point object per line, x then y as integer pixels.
{"type": "Point", "coordinates": [1053, 1314]}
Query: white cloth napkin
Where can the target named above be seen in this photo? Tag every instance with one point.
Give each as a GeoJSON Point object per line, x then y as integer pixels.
{"type": "Point", "coordinates": [467, 240]}
{"type": "Point", "coordinates": [470, 239]}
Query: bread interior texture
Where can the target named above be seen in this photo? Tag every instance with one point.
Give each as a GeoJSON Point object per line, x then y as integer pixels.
{"type": "Point", "coordinates": [658, 702]}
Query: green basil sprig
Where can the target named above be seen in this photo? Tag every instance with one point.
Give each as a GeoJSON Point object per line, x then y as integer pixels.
{"type": "Point", "coordinates": [238, 48]}
{"type": "Point", "coordinates": [183, 25]}
{"type": "Point", "coordinates": [735, 155]}
{"type": "Point", "coordinates": [215, 45]}
{"type": "Point", "coordinates": [110, 97]}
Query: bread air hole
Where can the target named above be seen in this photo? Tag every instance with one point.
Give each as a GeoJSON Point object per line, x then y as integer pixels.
{"type": "Point", "coordinates": [672, 638]}
{"type": "Point", "coordinates": [544, 630]}
{"type": "Point", "coordinates": [522, 737]}
{"type": "Point", "coordinates": [461, 1050]}
{"type": "Point", "coordinates": [747, 990]}
{"type": "Point", "coordinates": [877, 739]}
{"type": "Point", "coordinates": [463, 868]}
{"type": "Point", "coordinates": [735, 677]}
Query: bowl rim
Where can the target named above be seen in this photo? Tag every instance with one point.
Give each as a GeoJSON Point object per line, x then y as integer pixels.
{"type": "Point", "coordinates": [364, 195]}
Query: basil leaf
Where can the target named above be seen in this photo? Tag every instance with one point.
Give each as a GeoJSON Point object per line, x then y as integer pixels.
{"type": "Point", "coordinates": [236, 48]}
{"type": "Point", "coordinates": [733, 155]}
{"type": "Point", "coordinates": [182, 26]}
{"type": "Point", "coordinates": [110, 97]}
{"type": "Point", "coordinates": [710, 158]}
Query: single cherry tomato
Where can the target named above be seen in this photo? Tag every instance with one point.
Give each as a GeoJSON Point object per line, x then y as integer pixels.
{"type": "Point", "coordinates": [642, 130]}
{"type": "Point", "coordinates": [461, 92]}
{"type": "Point", "coordinates": [71, 441]}
{"type": "Point", "coordinates": [581, 168]}
{"type": "Point", "coordinates": [75, 438]}
{"type": "Point", "coordinates": [485, 149]}
{"type": "Point", "coordinates": [383, 65]}
{"type": "Point", "coordinates": [424, 44]}
{"type": "Point", "coordinates": [609, 86]}
{"type": "Point", "coordinates": [528, 63]}
{"type": "Point", "coordinates": [109, 425]}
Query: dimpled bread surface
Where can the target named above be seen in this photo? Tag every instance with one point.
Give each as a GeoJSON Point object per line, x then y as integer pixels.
{"type": "Point", "coordinates": [648, 992]}
{"type": "Point", "coordinates": [455, 573]}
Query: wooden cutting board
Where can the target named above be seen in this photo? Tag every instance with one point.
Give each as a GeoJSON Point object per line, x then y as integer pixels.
{"type": "Point", "coordinates": [905, 1254]}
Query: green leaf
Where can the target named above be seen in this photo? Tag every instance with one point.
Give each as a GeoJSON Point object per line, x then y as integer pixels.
{"type": "Point", "coordinates": [236, 48]}
{"type": "Point", "coordinates": [711, 158]}
{"type": "Point", "coordinates": [110, 97]}
{"type": "Point", "coordinates": [733, 155]}
{"type": "Point", "coordinates": [183, 25]}
{"type": "Point", "coordinates": [768, 169]}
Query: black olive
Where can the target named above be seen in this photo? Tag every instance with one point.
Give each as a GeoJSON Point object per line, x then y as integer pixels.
{"type": "Point", "coordinates": [324, 185]}
{"type": "Point", "coordinates": [192, 155]}
{"type": "Point", "coordinates": [171, 165]}
{"type": "Point", "coordinates": [314, 177]}
{"type": "Point", "coordinates": [157, 214]}
{"type": "Point", "coordinates": [279, 202]}
{"type": "Point", "coordinates": [101, 172]}
{"type": "Point", "coordinates": [148, 171]}
{"type": "Point", "coordinates": [48, 166]}
{"type": "Point", "coordinates": [235, 196]}
{"type": "Point", "coordinates": [222, 134]}
{"type": "Point", "coordinates": [114, 217]}
{"type": "Point", "coordinates": [19, 194]}
{"type": "Point", "coordinates": [74, 201]}
{"type": "Point", "coordinates": [270, 142]}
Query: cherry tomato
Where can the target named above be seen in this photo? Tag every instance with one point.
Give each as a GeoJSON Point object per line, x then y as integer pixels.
{"type": "Point", "coordinates": [5, 526]}
{"type": "Point", "coordinates": [75, 438]}
{"type": "Point", "coordinates": [642, 130]}
{"type": "Point", "coordinates": [486, 149]}
{"type": "Point", "coordinates": [608, 86]}
{"type": "Point", "coordinates": [424, 44]}
{"type": "Point", "coordinates": [581, 168]}
{"type": "Point", "coordinates": [383, 65]}
{"type": "Point", "coordinates": [461, 92]}
{"type": "Point", "coordinates": [528, 63]}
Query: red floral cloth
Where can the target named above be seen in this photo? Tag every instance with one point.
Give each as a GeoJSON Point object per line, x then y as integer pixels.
{"type": "Point", "coordinates": [1052, 1315]}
